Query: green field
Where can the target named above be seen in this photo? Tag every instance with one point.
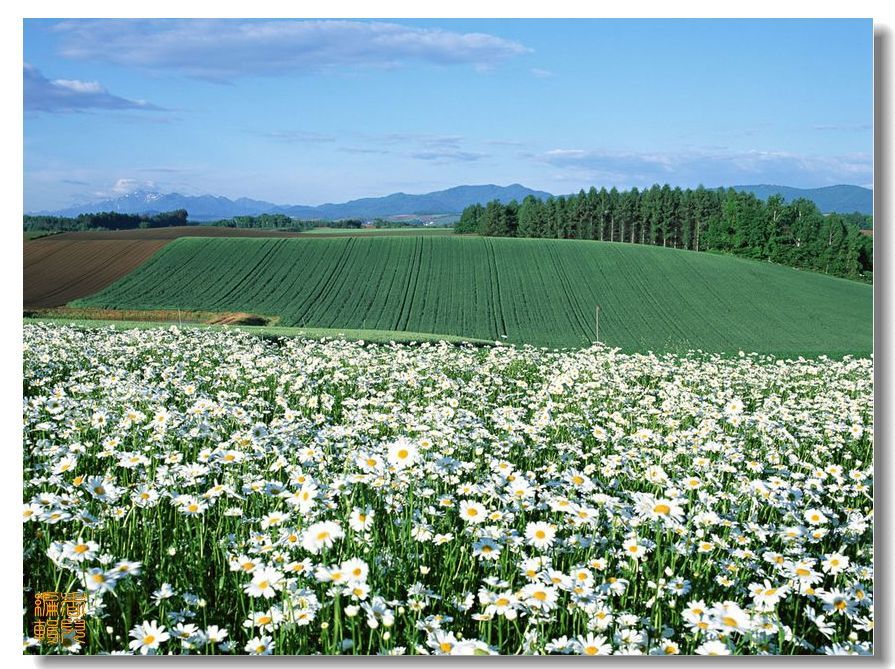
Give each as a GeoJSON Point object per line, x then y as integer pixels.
{"type": "Point", "coordinates": [268, 331]}
{"type": "Point", "coordinates": [37, 234]}
{"type": "Point", "coordinates": [535, 291]}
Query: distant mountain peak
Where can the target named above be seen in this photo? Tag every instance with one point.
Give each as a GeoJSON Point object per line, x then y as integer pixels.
{"type": "Point", "coordinates": [840, 198]}
{"type": "Point", "coordinates": [210, 207]}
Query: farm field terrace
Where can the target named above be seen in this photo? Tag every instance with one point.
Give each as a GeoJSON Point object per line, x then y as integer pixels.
{"type": "Point", "coordinates": [62, 267]}
{"type": "Point", "coordinates": [215, 492]}
{"type": "Point", "coordinates": [539, 292]}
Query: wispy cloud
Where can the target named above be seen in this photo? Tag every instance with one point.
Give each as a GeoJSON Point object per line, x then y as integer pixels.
{"type": "Point", "coordinates": [505, 142]}
{"type": "Point", "coordinates": [361, 150]}
{"type": "Point", "coordinates": [162, 170]}
{"type": "Point", "coordinates": [226, 49]}
{"type": "Point", "coordinates": [712, 168]}
{"type": "Point", "coordinates": [540, 73]}
{"type": "Point", "coordinates": [421, 139]}
{"type": "Point", "coordinates": [448, 155]}
{"type": "Point", "coordinates": [298, 137]}
{"type": "Point", "coordinates": [843, 127]}
{"type": "Point", "coordinates": [72, 95]}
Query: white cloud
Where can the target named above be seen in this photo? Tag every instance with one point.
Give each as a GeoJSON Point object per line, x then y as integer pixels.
{"type": "Point", "coordinates": [79, 86]}
{"type": "Point", "coordinates": [71, 95]}
{"type": "Point", "coordinates": [125, 186]}
{"type": "Point", "coordinates": [711, 167]}
{"type": "Point", "coordinates": [224, 49]}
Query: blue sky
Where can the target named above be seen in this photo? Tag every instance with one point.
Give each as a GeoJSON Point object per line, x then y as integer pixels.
{"type": "Point", "coordinates": [306, 112]}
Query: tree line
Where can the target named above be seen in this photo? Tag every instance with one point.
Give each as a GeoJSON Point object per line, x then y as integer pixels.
{"type": "Point", "coordinates": [728, 221]}
{"type": "Point", "coordinates": [283, 222]}
{"type": "Point", "coordinates": [289, 224]}
{"type": "Point", "coordinates": [105, 220]}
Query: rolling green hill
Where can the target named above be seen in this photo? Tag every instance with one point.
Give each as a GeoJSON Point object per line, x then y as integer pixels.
{"type": "Point", "coordinates": [536, 291]}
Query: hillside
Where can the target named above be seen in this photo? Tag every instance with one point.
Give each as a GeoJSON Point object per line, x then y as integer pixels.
{"type": "Point", "coordinates": [843, 199]}
{"type": "Point", "coordinates": [541, 292]}
{"type": "Point", "coordinates": [63, 267]}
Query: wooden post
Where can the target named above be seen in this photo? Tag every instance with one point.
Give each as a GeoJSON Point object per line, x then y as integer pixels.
{"type": "Point", "coordinates": [597, 320]}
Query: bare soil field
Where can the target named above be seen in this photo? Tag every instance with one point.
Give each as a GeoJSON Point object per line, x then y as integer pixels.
{"type": "Point", "coordinates": [60, 269]}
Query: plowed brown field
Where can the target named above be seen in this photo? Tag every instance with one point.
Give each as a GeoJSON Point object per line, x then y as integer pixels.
{"type": "Point", "coordinates": [59, 270]}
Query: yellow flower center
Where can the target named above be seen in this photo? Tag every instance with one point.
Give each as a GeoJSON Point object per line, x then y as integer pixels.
{"type": "Point", "coordinates": [664, 509]}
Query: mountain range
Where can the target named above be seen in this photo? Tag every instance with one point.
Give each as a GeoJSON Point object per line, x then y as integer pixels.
{"type": "Point", "coordinates": [211, 207]}
{"type": "Point", "coordinates": [843, 199]}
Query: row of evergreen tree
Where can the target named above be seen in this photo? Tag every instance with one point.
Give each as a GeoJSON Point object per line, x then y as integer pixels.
{"type": "Point", "coordinates": [283, 222]}
{"type": "Point", "coordinates": [790, 233]}
{"type": "Point", "coordinates": [105, 220]}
